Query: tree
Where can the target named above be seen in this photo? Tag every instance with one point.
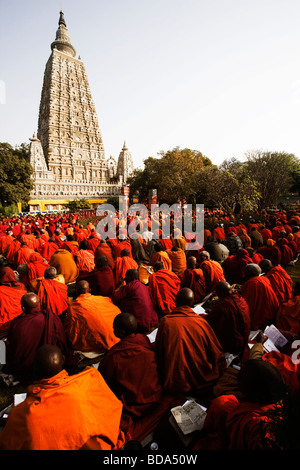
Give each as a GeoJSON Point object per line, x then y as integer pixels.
{"type": "Point", "coordinates": [78, 204]}
{"type": "Point", "coordinates": [15, 174]}
{"type": "Point", "coordinates": [173, 174]}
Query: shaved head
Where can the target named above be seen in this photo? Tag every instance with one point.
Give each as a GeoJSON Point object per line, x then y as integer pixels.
{"type": "Point", "coordinates": [82, 287]}
{"type": "Point", "coordinates": [124, 324]}
{"type": "Point", "coordinates": [185, 296]}
{"type": "Point", "coordinates": [223, 289]}
{"type": "Point", "coordinates": [251, 270]}
{"type": "Point", "coordinates": [29, 301]}
{"type": "Point", "coordinates": [191, 262]}
{"type": "Point", "coordinates": [265, 265]}
{"type": "Point", "coordinates": [50, 273]}
{"type": "Point", "coordinates": [49, 361]}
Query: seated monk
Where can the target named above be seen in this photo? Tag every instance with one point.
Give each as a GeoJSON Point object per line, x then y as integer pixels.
{"type": "Point", "coordinates": [5, 240]}
{"type": "Point", "coordinates": [271, 251]}
{"type": "Point", "coordinates": [280, 280]}
{"type": "Point", "coordinates": [189, 356]}
{"type": "Point", "coordinates": [287, 254]}
{"type": "Point", "coordinates": [178, 259]}
{"type": "Point", "coordinates": [64, 263]}
{"type": "Point", "coordinates": [63, 412]}
{"type": "Point", "coordinates": [89, 321]}
{"type": "Point", "coordinates": [123, 263]}
{"type": "Point", "coordinates": [33, 269]}
{"type": "Point", "coordinates": [193, 278]}
{"type": "Point", "coordinates": [260, 296]}
{"type": "Point", "coordinates": [234, 266]}
{"type": "Point", "coordinates": [129, 369]}
{"type": "Point", "coordinates": [231, 424]}
{"type": "Point", "coordinates": [11, 251]}
{"type": "Point", "coordinates": [84, 258]}
{"type": "Point", "coordinates": [133, 297]}
{"type": "Point", "coordinates": [11, 292]}
{"type": "Point", "coordinates": [103, 249]}
{"type": "Point", "coordinates": [93, 240]}
{"type": "Point", "coordinates": [161, 256]}
{"type": "Point", "coordinates": [163, 287]}
{"type": "Point", "coordinates": [230, 319]}
{"type": "Point", "coordinates": [48, 249]}
{"type": "Point", "coordinates": [70, 244]}
{"type": "Point", "coordinates": [101, 279]}
{"type": "Point", "coordinates": [212, 271]}
{"type": "Point", "coordinates": [178, 239]}
{"type": "Point", "coordinates": [53, 293]}
{"type": "Point", "coordinates": [119, 246]}
{"type": "Point", "coordinates": [27, 332]}
{"type": "Point", "coordinates": [288, 315]}
{"type": "Point", "coordinates": [22, 256]}
{"type": "Point", "coordinates": [29, 238]}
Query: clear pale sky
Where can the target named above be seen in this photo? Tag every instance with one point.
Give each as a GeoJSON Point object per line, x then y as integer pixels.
{"type": "Point", "coordinates": [221, 77]}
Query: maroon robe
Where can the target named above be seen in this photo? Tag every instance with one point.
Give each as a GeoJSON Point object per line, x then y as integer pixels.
{"type": "Point", "coordinates": [101, 281]}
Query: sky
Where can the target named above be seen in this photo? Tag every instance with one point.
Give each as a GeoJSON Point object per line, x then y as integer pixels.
{"type": "Point", "coordinates": [220, 77]}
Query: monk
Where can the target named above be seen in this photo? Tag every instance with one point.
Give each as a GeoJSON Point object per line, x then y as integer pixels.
{"type": "Point", "coordinates": [230, 319]}
{"type": "Point", "coordinates": [234, 266]}
{"type": "Point", "coordinates": [5, 241]}
{"type": "Point", "coordinates": [160, 255]}
{"type": "Point", "coordinates": [33, 269]}
{"type": "Point", "coordinates": [93, 241]}
{"type": "Point", "coordinates": [101, 279]}
{"type": "Point", "coordinates": [103, 249]}
{"type": "Point", "coordinates": [288, 315]}
{"type": "Point", "coordinates": [27, 332]}
{"type": "Point", "coordinates": [84, 258]}
{"type": "Point", "coordinates": [89, 321]}
{"type": "Point", "coordinates": [23, 254]}
{"type": "Point", "coordinates": [189, 356]}
{"type": "Point", "coordinates": [260, 296]}
{"type": "Point", "coordinates": [271, 251]}
{"type": "Point", "coordinates": [163, 287]}
{"type": "Point", "coordinates": [280, 280]}
{"type": "Point", "coordinates": [119, 246]}
{"type": "Point", "coordinates": [178, 259]}
{"type": "Point", "coordinates": [212, 271]}
{"type": "Point", "coordinates": [63, 412]}
{"type": "Point", "coordinates": [193, 278]}
{"type": "Point", "coordinates": [52, 293]}
{"type": "Point", "coordinates": [70, 244]}
{"type": "Point", "coordinates": [130, 370]}
{"type": "Point", "coordinates": [133, 297]}
{"type": "Point", "coordinates": [48, 249]}
{"type": "Point", "coordinates": [123, 263]}
{"type": "Point", "coordinates": [64, 263]}
{"type": "Point", "coordinates": [11, 293]}
{"type": "Point", "coordinates": [11, 251]}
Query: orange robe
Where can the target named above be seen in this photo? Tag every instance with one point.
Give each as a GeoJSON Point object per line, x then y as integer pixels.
{"type": "Point", "coordinates": [281, 282]}
{"type": "Point", "coordinates": [85, 260]}
{"type": "Point", "coordinates": [64, 263]}
{"type": "Point", "coordinates": [89, 323]}
{"type": "Point", "coordinates": [188, 353]}
{"type": "Point", "coordinates": [162, 257]}
{"type": "Point", "coordinates": [5, 241]}
{"type": "Point", "coordinates": [288, 316]}
{"type": "Point", "coordinates": [22, 256]}
{"type": "Point", "coordinates": [66, 413]}
{"type": "Point", "coordinates": [11, 251]}
{"type": "Point", "coordinates": [178, 260]}
{"type": "Point", "coordinates": [213, 274]}
{"type": "Point", "coordinates": [47, 250]}
{"type": "Point", "coordinates": [53, 295]}
{"type": "Point", "coordinates": [103, 249]}
{"type": "Point", "coordinates": [122, 266]}
{"type": "Point", "coordinates": [262, 301]}
{"type": "Point", "coordinates": [10, 304]}
{"type": "Point", "coordinates": [163, 287]}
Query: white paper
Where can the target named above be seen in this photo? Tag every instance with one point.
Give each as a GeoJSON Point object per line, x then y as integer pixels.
{"type": "Point", "coordinates": [18, 398]}
{"type": "Point", "coordinates": [275, 336]}
{"type": "Point", "coordinates": [199, 309]}
{"type": "Point", "coordinates": [190, 417]}
{"type": "Point", "coordinates": [152, 335]}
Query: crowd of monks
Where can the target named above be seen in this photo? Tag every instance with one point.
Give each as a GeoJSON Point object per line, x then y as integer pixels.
{"type": "Point", "coordinates": [161, 321]}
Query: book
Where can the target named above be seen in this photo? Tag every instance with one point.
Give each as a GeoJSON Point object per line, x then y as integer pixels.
{"type": "Point", "coordinates": [189, 417]}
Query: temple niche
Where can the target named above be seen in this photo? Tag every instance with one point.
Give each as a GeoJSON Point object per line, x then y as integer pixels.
{"type": "Point", "coordinates": [67, 152]}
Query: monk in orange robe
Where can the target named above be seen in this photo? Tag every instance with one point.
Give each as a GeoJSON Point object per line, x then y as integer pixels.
{"type": "Point", "coordinates": [178, 240]}
{"type": "Point", "coordinates": [48, 249]}
{"type": "Point", "coordinates": [189, 356]}
{"type": "Point", "coordinates": [212, 271]}
{"type": "Point", "coordinates": [119, 246]}
{"type": "Point", "coordinates": [178, 259]}
{"type": "Point", "coordinates": [84, 258]}
{"type": "Point", "coordinates": [11, 293]}
{"type": "Point", "coordinates": [64, 263]}
{"type": "Point", "coordinates": [260, 296]}
{"type": "Point", "coordinates": [288, 315]}
{"type": "Point", "coordinates": [280, 280]}
{"type": "Point", "coordinates": [103, 249]}
{"type": "Point", "coordinates": [52, 293]}
{"type": "Point", "coordinates": [5, 241]}
{"type": "Point", "coordinates": [28, 238]}
{"type": "Point", "coordinates": [23, 254]}
{"type": "Point", "coordinates": [163, 287]}
{"type": "Point", "coordinates": [11, 251]}
{"type": "Point", "coordinates": [219, 233]}
{"type": "Point", "coordinates": [161, 256]}
{"type": "Point", "coordinates": [63, 412]}
{"type": "Point", "coordinates": [33, 269]}
{"type": "Point", "coordinates": [123, 263]}
{"type": "Point", "coordinates": [193, 278]}
{"type": "Point", "coordinates": [89, 321]}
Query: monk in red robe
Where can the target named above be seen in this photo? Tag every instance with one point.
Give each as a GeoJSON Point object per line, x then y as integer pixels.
{"type": "Point", "coordinates": [161, 256]}
{"type": "Point", "coordinates": [234, 266]}
{"type": "Point", "coordinates": [212, 271]}
{"type": "Point", "coordinates": [133, 297]}
{"type": "Point", "coordinates": [103, 249]}
{"type": "Point", "coordinates": [123, 263]}
{"type": "Point", "coordinates": [163, 287]}
{"type": "Point", "coordinates": [27, 332]}
{"type": "Point", "coordinates": [230, 319]}
{"type": "Point", "coordinates": [52, 293]}
{"type": "Point", "coordinates": [101, 279]}
{"type": "Point", "coordinates": [287, 254]}
{"type": "Point", "coordinates": [260, 296]}
{"type": "Point", "coordinates": [84, 258]}
{"type": "Point", "coordinates": [48, 249]}
{"type": "Point", "coordinates": [119, 246]}
{"type": "Point", "coordinates": [271, 252]}
{"type": "Point", "coordinates": [288, 315]}
{"type": "Point", "coordinates": [130, 370]}
{"type": "Point", "coordinates": [33, 269]}
{"type": "Point", "coordinates": [11, 293]}
{"type": "Point", "coordinates": [189, 356]}
{"type": "Point", "coordinates": [5, 241]}
{"type": "Point", "coordinates": [193, 278]}
{"type": "Point", "coordinates": [93, 241]}
{"type": "Point", "coordinates": [89, 321]}
{"type": "Point", "coordinates": [280, 280]}
{"type": "Point", "coordinates": [64, 412]}
{"type": "Point", "coordinates": [11, 251]}
{"type": "Point", "coordinates": [70, 244]}
{"type": "Point", "coordinates": [23, 254]}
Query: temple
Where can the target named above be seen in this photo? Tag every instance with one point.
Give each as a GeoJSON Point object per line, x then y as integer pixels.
{"type": "Point", "coordinates": [67, 152]}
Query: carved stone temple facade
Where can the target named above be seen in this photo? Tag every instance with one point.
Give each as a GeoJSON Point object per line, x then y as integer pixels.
{"type": "Point", "coordinates": [67, 153]}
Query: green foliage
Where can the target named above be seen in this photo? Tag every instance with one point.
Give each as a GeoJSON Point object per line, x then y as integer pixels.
{"type": "Point", "coordinates": [77, 205]}
{"type": "Point", "coordinates": [15, 174]}
{"type": "Point", "coordinates": [9, 211]}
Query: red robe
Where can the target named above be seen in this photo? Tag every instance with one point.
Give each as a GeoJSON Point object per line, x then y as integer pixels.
{"type": "Point", "coordinates": [22, 256]}
{"type": "Point", "coordinates": [288, 316]}
{"type": "Point", "coordinates": [103, 249]}
{"type": "Point", "coordinates": [194, 280]}
{"type": "Point", "coordinates": [281, 282]}
{"type": "Point", "coordinates": [129, 368]}
{"type": "Point", "coordinates": [122, 266]}
{"type": "Point", "coordinates": [163, 287]}
{"type": "Point", "coordinates": [213, 274]}
{"type": "Point", "coordinates": [53, 295]}
{"type": "Point", "coordinates": [101, 281]}
{"type": "Point", "coordinates": [262, 301]}
{"type": "Point", "coordinates": [47, 250]}
{"type": "Point", "coordinates": [234, 267]}
{"type": "Point", "coordinates": [188, 353]}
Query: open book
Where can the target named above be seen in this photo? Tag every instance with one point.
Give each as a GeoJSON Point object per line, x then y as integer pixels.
{"type": "Point", "coordinates": [189, 417]}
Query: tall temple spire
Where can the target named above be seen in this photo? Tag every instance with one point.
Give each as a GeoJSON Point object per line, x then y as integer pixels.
{"type": "Point", "coordinates": [62, 41]}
